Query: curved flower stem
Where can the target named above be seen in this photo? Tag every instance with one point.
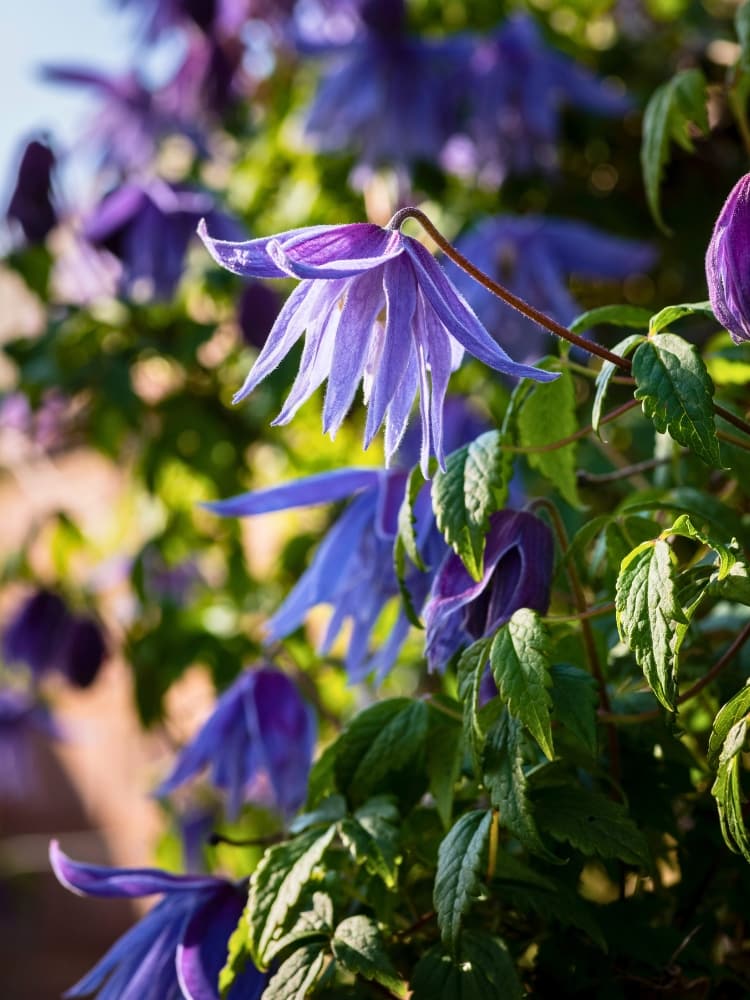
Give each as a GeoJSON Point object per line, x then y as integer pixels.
{"type": "Point", "coordinates": [691, 692]}
{"type": "Point", "coordinates": [501, 292]}
{"type": "Point", "coordinates": [596, 478]}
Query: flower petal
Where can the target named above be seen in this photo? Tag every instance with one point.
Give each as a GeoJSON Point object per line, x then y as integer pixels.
{"type": "Point", "coordinates": [326, 487]}
{"type": "Point", "coordinates": [335, 251]}
{"type": "Point", "coordinates": [249, 258]}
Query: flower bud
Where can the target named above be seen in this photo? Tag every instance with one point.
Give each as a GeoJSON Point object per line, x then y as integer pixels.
{"type": "Point", "coordinates": [728, 263]}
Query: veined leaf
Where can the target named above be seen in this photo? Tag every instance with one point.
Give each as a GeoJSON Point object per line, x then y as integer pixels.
{"type": "Point", "coordinates": [670, 314]}
{"type": "Point", "coordinates": [519, 658]}
{"type": "Point", "coordinates": [727, 788]}
{"type": "Point", "coordinates": [481, 969]}
{"type": "Point", "coordinates": [458, 875]}
{"type": "Point", "coordinates": [470, 672]}
{"type": "Point", "coordinates": [684, 526]}
{"type": "Point", "coordinates": [648, 615]}
{"type": "Point", "coordinates": [473, 486]}
{"type": "Point", "coordinates": [275, 886]}
{"type": "Point", "coordinates": [294, 977]}
{"type": "Point", "coordinates": [312, 925]}
{"type": "Point", "coordinates": [607, 370]}
{"type": "Point", "coordinates": [574, 699]}
{"type": "Point", "coordinates": [635, 317]}
{"type": "Point", "coordinates": [445, 752]}
{"type": "Point", "coordinates": [677, 393]}
{"type": "Point", "coordinates": [728, 716]}
{"type": "Point", "coordinates": [673, 107]}
{"type": "Point", "coordinates": [372, 839]}
{"type": "Point", "coordinates": [358, 946]}
{"type": "Point", "coordinates": [548, 414]}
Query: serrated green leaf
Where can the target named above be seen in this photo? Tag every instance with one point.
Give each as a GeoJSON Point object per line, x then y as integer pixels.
{"type": "Point", "coordinates": [727, 790]}
{"type": "Point", "coordinates": [469, 675]}
{"type": "Point", "coordinates": [399, 565]}
{"type": "Point", "coordinates": [373, 842]}
{"type": "Point", "coordinates": [616, 315]}
{"type": "Point", "coordinates": [358, 946]}
{"type": "Point", "coordinates": [519, 659]}
{"type": "Point", "coordinates": [734, 586]}
{"type": "Point", "coordinates": [458, 875]}
{"type": "Point", "coordinates": [238, 955]}
{"type": "Point", "coordinates": [677, 394]}
{"type": "Point", "coordinates": [295, 977]}
{"type": "Point", "coordinates": [728, 716]}
{"type": "Point", "coordinates": [670, 314]}
{"type": "Point", "coordinates": [684, 526]}
{"type": "Point", "coordinates": [575, 700]}
{"type": "Point", "coordinates": [548, 414]}
{"type": "Point", "coordinates": [473, 486]}
{"type": "Point", "coordinates": [608, 369]}
{"type": "Point", "coordinates": [407, 520]}
{"type": "Point", "coordinates": [329, 811]}
{"type": "Point", "coordinates": [591, 823]}
{"type": "Point", "coordinates": [445, 752]}
{"type": "Point", "coordinates": [648, 614]}
{"type": "Point", "coordinates": [312, 924]}
{"type": "Point", "coordinates": [504, 779]}
{"type": "Point", "coordinates": [481, 969]}
{"type": "Point", "coordinates": [702, 508]}
{"type": "Point", "coordinates": [673, 107]}
{"type": "Point", "coordinates": [276, 884]}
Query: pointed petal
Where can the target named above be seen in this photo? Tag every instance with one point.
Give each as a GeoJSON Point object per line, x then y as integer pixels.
{"type": "Point", "coordinates": [337, 251]}
{"type": "Point", "coordinates": [397, 417]}
{"type": "Point", "coordinates": [249, 258]}
{"type": "Point", "coordinates": [326, 487]}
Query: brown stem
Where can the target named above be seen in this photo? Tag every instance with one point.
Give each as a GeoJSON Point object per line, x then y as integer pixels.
{"type": "Point", "coordinates": [595, 478]}
{"type": "Point", "coordinates": [691, 692]}
{"type": "Point", "coordinates": [533, 449]}
{"type": "Point", "coordinates": [605, 609]}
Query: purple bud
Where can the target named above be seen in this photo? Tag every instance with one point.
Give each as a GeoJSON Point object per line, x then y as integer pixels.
{"type": "Point", "coordinates": [31, 203]}
{"type": "Point", "coordinates": [728, 263]}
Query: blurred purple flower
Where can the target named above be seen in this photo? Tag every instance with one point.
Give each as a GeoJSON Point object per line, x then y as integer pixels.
{"type": "Point", "coordinates": [258, 743]}
{"type": "Point", "coordinates": [22, 720]}
{"type": "Point", "coordinates": [31, 204]}
{"type": "Point", "coordinates": [728, 263]}
{"type": "Point", "coordinates": [178, 949]}
{"type": "Point", "coordinates": [147, 226]}
{"type": "Point", "coordinates": [535, 257]}
{"type": "Point", "coordinates": [16, 413]}
{"type": "Point", "coordinates": [211, 16]}
{"type": "Point", "coordinates": [388, 95]}
{"type": "Point", "coordinates": [515, 87]}
{"type": "Point", "coordinates": [258, 308]}
{"type": "Point", "coordinates": [45, 635]}
{"type": "Point", "coordinates": [517, 574]}
{"type": "Point", "coordinates": [355, 273]}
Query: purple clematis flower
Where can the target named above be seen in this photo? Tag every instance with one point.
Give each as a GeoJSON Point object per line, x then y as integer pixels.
{"type": "Point", "coordinates": [22, 720]}
{"type": "Point", "coordinates": [147, 227]}
{"type": "Point", "coordinates": [178, 949]}
{"type": "Point", "coordinates": [535, 256]}
{"type": "Point", "coordinates": [31, 205]}
{"type": "Point", "coordinates": [728, 263]}
{"type": "Point", "coordinates": [388, 95]}
{"type": "Point", "coordinates": [258, 743]}
{"type": "Point", "coordinates": [517, 574]}
{"type": "Point", "coordinates": [375, 306]}
{"type": "Point", "coordinates": [516, 87]}
{"type": "Point", "coordinates": [211, 16]}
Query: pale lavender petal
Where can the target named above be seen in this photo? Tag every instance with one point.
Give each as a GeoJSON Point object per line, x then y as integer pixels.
{"type": "Point", "coordinates": [339, 252]}
{"type": "Point", "coordinates": [441, 366]}
{"type": "Point", "coordinates": [325, 487]}
{"type": "Point", "coordinates": [397, 417]}
{"type": "Point", "coordinates": [249, 258]}
{"type": "Point", "coordinates": [424, 400]}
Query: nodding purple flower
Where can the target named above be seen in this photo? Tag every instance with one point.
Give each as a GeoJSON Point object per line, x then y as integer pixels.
{"type": "Point", "coordinates": [178, 949]}
{"type": "Point", "coordinates": [517, 574]}
{"type": "Point", "coordinates": [45, 636]}
{"type": "Point", "coordinates": [258, 743]}
{"type": "Point", "coordinates": [535, 256]}
{"type": "Point", "coordinates": [728, 263]}
{"type": "Point", "coordinates": [32, 205]}
{"type": "Point", "coordinates": [147, 226]}
{"type": "Point", "coordinates": [23, 719]}
{"type": "Point", "coordinates": [516, 87]}
{"type": "Point", "coordinates": [389, 96]}
{"type": "Point", "coordinates": [375, 306]}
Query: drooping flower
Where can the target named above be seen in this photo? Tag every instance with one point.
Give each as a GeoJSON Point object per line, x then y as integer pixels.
{"type": "Point", "coordinates": [32, 205]}
{"type": "Point", "coordinates": [728, 263]}
{"type": "Point", "coordinates": [517, 574]}
{"type": "Point", "coordinates": [375, 306]}
{"type": "Point", "coordinates": [178, 949]}
{"type": "Point", "coordinates": [258, 743]}
{"type": "Point", "coordinates": [515, 87]}
{"type": "Point", "coordinates": [23, 719]}
{"type": "Point", "coordinates": [389, 95]}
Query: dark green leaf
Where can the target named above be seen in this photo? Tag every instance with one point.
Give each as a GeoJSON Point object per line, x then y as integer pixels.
{"type": "Point", "coordinates": [358, 946]}
{"type": "Point", "coordinates": [373, 842]}
{"type": "Point", "coordinates": [727, 788]}
{"type": "Point", "coordinates": [742, 27]}
{"type": "Point", "coordinates": [295, 977]}
{"type": "Point", "coordinates": [275, 886]}
{"type": "Point", "coordinates": [549, 415]}
{"type": "Point", "coordinates": [648, 615]}
{"type": "Point", "coordinates": [677, 393]}
{"type": "Point", "coordinates": [575, 700]}
{"type": "Point", "coordinates": [670, 314]}
{"type": "Point", "coordinates": [458, 875]}
{"type": "Point", "coordinates": [329, 810]}
{"type": "Point", "coordinates": [407, 520]}
{"type": "Point", "coordinates": [617, 315]}
{"type": "Point", "coordinates": [481, 970]}
{"type": "Point", "coordinates": [673, 107]}
{"type": "Point", "coordinates": [728, 716]}
{"type": "Point", "coordinates": [606, 372]}
{"type": "Point", "coordinates": [519, 658]}
{"type": "Point", "coordinates": [445, 752]}
{"type": "Point", "coordinates": [473, 486]}
{"type": "Point", "coordinates": [470, 672]}
{"type": "Point", "coordinates": [313, 924]}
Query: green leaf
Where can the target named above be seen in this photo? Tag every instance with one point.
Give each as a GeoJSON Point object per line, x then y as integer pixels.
{"type": "Point", "coordinates": [608, 369]}
{"type": "Point", "coordinates": [469, 675]}
{"type": "Point", "coordinates": [617, 315]}
{"type": "Point", "coordinates": [373, 842]}
{"type": "Point", "coordinates": [727, 788]}
{"type": "Point", "coordinates": [473, 486]}
{"type": "Point", "coordinates": [275, 886]}
{"type": "Point", "coordinates": [668, 116]}
{"type": "Point", "coordinates": [358, 946]}
{"type": "Point", "coordinates": [482, 969]}
{"type": "Point", "coordinates": [702, 508]}
{"type": "Point", "coordinates": [407, 521]}
{"type": "Point", "coordinates": [589, 822]}
{"type": "Point", "coordinates": [670, 314]}
{"type": "Point", "coordinates": [549, 415]}
{"type": "Point", "coordinates": [648, 615]}
{"type": "Point", "coordinates": [331, 809]}
{"type": "Point", "coordinates": [519, 658]}
{"type": "Point", "coordinates": [295, 977]}
{"type": "Point", "coordinates": [378, 742]}
{"type": "Point", "coordinates": [742, 27]}
{"type": "Point", "coordinates": [312, 924]}
{"type": "Point", "coordinates": [728, 716]}
{"type": "Point", "coordinates": [677, 394]}
{"type": "Point", "coordinates": [684, 526]}
{"type": "Point", "coordinates": [735, 586]}
{"type": "Point", "coordinates": [321, 782]}
{"type": "Point", "coordinates": [399, 565]}
{"type": "Point", "coordinates": [458, 875]}
{"type": "Point", "coordinates": [445, 753]}
{"type": "Point", "coordinates": [504, 779]}
{"type": "Point", "coordinates": [238, 955]}
{"type": "Point", "coordinates": [574, 698]}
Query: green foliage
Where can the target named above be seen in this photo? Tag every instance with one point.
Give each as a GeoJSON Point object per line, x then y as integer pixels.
{"type": "Point", "coordinates": [481, 967]}
{"type": "Point", "coordinates": [458, 875]}
{"type": "Point", "coordinates": [548, 415]}
{"type": "Point", "coordinates": [727, 743]}
{"type": "Point", "coordinates": [358, 946]}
